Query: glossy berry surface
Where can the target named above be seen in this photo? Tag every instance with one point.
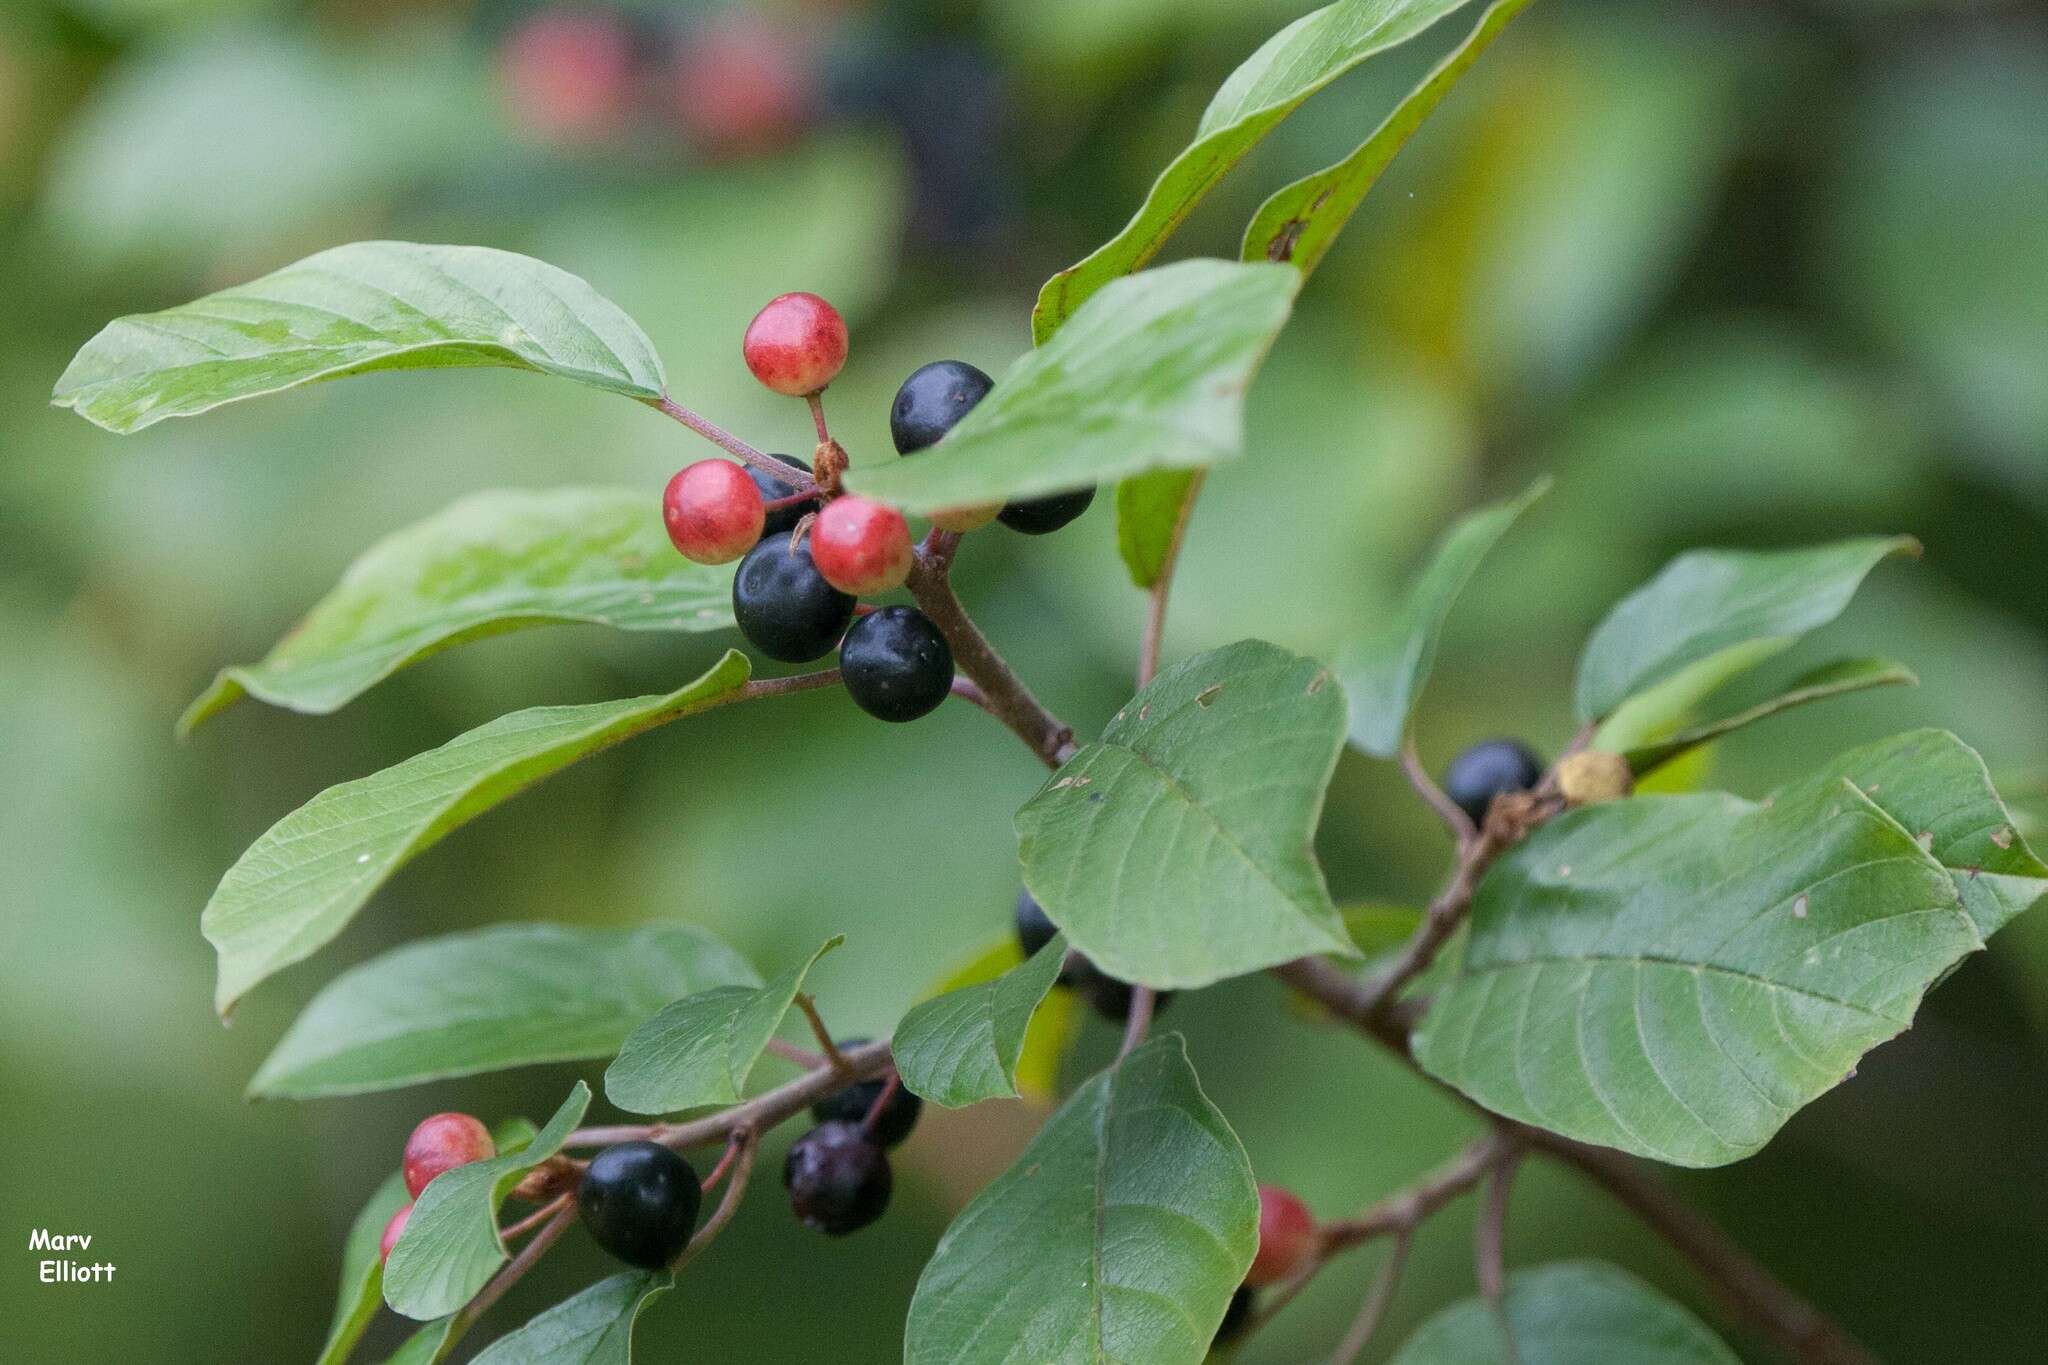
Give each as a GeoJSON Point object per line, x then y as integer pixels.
{"type": "Point", "coordinates": [393, 1230]}
{"type": "Point", "coordinates": [1287, 1235]}
{"type": "Point", "coordinates": [774, 490]}
{"type": "Point", "coordinates": [1487, 770]}
{"type": "Point", "coordinates": [853, 1104]}
{"type": "Point", "coordinates": [640, 1201]}
{"type": "Point", "coordinates": [713, 512]}
{"type": "Point", "coordinates": [783, 604]}
{"type": "Point", "coordinates": [1035, 928]}
{"type": "Point", "coordinates": [1236, 1318]}
{"type": "Point", "coordinates": [861, 547]}
{"type": "Point", "coordinates": [932, 401]}
{"type": "Point", "coordinates": [838, 1179]}
{"type": "Point", "coordinates": [896, 664]}
{"type": "Point", "coordinates": [796, 345]}
{"type": "Point", "coordinates": [1042, 516]}
{"type": "Point", "coordinates": [440, 1143]}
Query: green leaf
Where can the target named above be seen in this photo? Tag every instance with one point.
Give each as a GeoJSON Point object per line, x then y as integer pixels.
{"type": "Point", "coordinates": [1176, 850]}
{"type": "Point", "coordinates": [1384, 673]}
{"type": "Point", "coordinates": [1150, 375]}
{"type": "Point", "coordinates": [351, 310]}
{"type": "Point", "coordinates": [964, 1046]}
{"type": "Point", "coordinates": [1676, 976]}
{"type": "Point", "coordinates": [301, 883]}
{"type": "Point", "coordinates": [1836, 679]}
{"type": "Point", "coordinates": [494, 562]}
{"type": "Point", "coordinates": [593, 1328]}
{"type": "Point", "coordinates": [1047, 1037]}
{"type": "Point", "coordinates": [450, 1247]}
{"type": "Point", "coordinates": [1119, 1234]}
{"type": "Point", "coordinates": [362, 1271]}
{"type": "Point", "coordinates": [700, 1049]}
{"type": "Point", "coordinates": [1940, 792]}
{"type": "Point", "coordinates": [1570, 1313]}
{"type": "Point", "coordinates": [510, 995]}
{"type": "Point", "coordinates": [1301, 222]}
{"type": "Point", "coordinates": [1149, 508]}
{"type": "Point", "coordinates": [425, 1346]}
{"type": "Point", "coordinates": [1271, 84]}
{"type": "Point", "coordinates": [1707, 604]}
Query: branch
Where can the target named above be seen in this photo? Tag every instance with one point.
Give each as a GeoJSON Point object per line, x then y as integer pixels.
{"type": "Point", "coordinates": [756, 1115]}
{"type": "Point", "coordinates": [1155, 617]}
{"type": "Point", "coordinates": [515, 1270]}
{"type": "Point", "coordinates": [733, 445]}
{"type": "Point", "coordinates": [1003, 693]}
{"type": "Point", "coordinates": [833, 1056]}
{"type": "Point", "coordinates": [1450, 812]}
{"type": "Point", "coordinates": [1144, 1000]}
{"type": "Point", "coordinates": [744, 1145]}
{"type": "Point", "coordinates": [1376, 1300]}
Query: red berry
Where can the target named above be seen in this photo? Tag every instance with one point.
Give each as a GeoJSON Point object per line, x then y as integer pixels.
{"type": "Point", "coordinates": [441, 1143]}
{"type": "Point", "coordinates": [861, 547]}
{"type": "Point", "coordinates": [713, 511]}
{"type": "Point", "coordinates": [741, 85]}
{"type": "Point", "coordinates": [568, 75]}
{"type": "Point", "coordinates": [796, 345]}
{"type": "Point", "coordinates": [392, 1231]}
{"type": "Point", "coordinates": [1287, 1235]}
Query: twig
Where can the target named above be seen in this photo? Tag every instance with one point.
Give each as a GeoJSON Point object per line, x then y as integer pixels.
{"type": "Point", "coordinates": [1489, 1249]}
{"type": "Point", "coordinates": [732, 445]}
{"type": "Point", "coordinates": [833, 1056]}
{"type": "Point", "coordinates": [1139, 1021]}
{"type": "Point", "coordinates": [882, 1098]}
{"type": "Point", "coordinates": [790, 1052]}
{"type": "Point", "coordinates": [515, 1270]}
{"type": "Point", "coordinates": [1376, 1300]}
{"type": "Point", "coordinates": [1004, 694]}
{"type": "Point", "coordinates": [1450, 812]}
{"type": "Point", "coordinates": [1162, 585]}
{"type": "Point", "coordinates": [725, 1160]}
{"type": "Point", "coordinates": [745, 1145]}
{"type": "Point", "coordinates": [532, 1220]}
{"type": "Point", "coordinates": [756, 1115]}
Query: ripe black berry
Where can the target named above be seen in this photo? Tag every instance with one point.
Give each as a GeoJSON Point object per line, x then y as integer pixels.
{"type": "Point", "coordinates": [1035, 928]}
{"type": "Point", "coordinates": [853, 1104]}
{"type": "Point", "coordinates": [896, 664]}
{"type": "Point", "coordinates": [1041, 516]}
{"type": "Point", "coordinates": [783, 604]}
{"type": "Point", "coordinates": [932, 400]}
{"type": "Point", "coordinates": [639, 1200]}
{"type": "Point", "coordinates": [838, 1179]}
{"type": "Point", "coordinates": [1236, 1318]}
{"type": "Point", "coordinates": [773, 489]}
{"type": "Point", "coordinates": [1487, 770]}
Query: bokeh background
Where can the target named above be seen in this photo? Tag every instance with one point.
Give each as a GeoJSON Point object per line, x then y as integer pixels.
{"type": "Point", "coordinates": [1736, 271]}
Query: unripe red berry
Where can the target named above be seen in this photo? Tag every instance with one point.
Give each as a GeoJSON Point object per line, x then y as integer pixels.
{"type": "Point", "coordinates": [741, 84]}
{"type": "Point", "coordinates": [568, 75]}
{"type": "Point", "coordinates": [861, 547]}
{"type": "Point", "coordinates": [441, 1143]}
{"type": "Point", "coordinates": [713, 511]}
{"type": "Point", "coordinates": [796, 345]}
{"type": "Point", "coordinates": [1287, 1236]}
{"type": "Point", "coordinates": [392, 1231]}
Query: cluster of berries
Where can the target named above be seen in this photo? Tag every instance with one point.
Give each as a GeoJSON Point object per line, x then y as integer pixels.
{"type": "Point", "coordinates": [807, 551]}
{"type": "Point", "coordinates": [838, 1174]}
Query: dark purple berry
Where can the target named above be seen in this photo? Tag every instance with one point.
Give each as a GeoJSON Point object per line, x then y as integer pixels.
{"type": "Point", "coordinates": [783, 604]}
{"type": "Point", "coordinates": [1487, 770]}
{"type": "Point", "coordinates": [1035, 928]}
{"type": "Point", "coordinates": [774, 490]}
{"type": "Point", "coordinates": [932, 401]}
{"type": "Point", "coordinates": [1042, 516]}
{"type": "Point", "coordinates": [853, 1105]}
{"type": "Point", "coordinates": [896, 664]}
{"type": "Point", "coordinates": [640, 1201]}
{"type": "Point", "coordinates": [1236, 1318]}
{"type": "Point", "coordinates": [838, 1179]}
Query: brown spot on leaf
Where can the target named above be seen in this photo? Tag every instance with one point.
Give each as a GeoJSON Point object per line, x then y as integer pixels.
{"type": "Point", "coordinates": [1320, 681]}
{"type": "Point", "coordinates": [1207, 695]}
{"type": "Point", "coordinates": [2003, 838]}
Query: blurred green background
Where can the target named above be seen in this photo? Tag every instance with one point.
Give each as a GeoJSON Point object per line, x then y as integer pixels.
{"type": "Point", "coordinates": [1737, 271]}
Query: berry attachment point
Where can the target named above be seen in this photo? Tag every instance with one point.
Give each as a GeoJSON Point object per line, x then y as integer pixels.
{"type": "Point", "coordinates": [640, 1202]}
{"type": "Point", "coordinates": [896, 664]}
{"type": "Point", "coordinates": [899, 1114]}
{"type": "Point", "coordinates": [861, 547]}
{"type": "Point", "coordinates": [713, 511]}
{"type": "Point", "coordinates": [776, 490]}
{"type": "Point", "coordinates": [796, 345]}
{"type": "Point", "coordinates": [442, 1142]}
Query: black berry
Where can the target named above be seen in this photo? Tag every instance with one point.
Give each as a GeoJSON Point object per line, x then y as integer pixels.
{"type": "Point", "coordinates": [854, 1104]}
{"type": "Point", "coordinates": [896, 664]}
{"type": "Point", "coordinates": [932, 400]}
{"type": "Point", "coordinates": [838, 1179]}
{"type": "Point", "coordinates": [639, 1200]}
{"type": "Point", "coordinates": [1236, 1318]}
{"type": "Point", "coordinates": [1041, 516]}
{"type": "Point", "coordinates": [1487, 770]}
{"type": "Point", "coordinates": [783, 604]}
{"type": "Point", "coordinates": [772, 489]}
{"type": "Point", "coordinates": [1035, 928]}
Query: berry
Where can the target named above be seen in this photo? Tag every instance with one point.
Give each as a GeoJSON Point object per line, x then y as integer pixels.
{"type": "Point", "coordinates": [393, 1230]}
{"type": "Point", "coordinates": [713, 512]}
{"type": "Point", "coordinates": [1042, 516]}
{"type": "Point", "coordinates": [861, 547]}
{"type": "Point", "coordinates": [1287, 1235]}
{"type": "Point", "coordinates": [1236, 1318]}
{"type": "Point", "coordinates": [1035, 928]}
{"type": "Point", "coordinates": [796, 345]}
{"type": "Point", "coordinates": [441, 1143]}
{"type": "Point", "coordinates": [932, 401]}
{"type": "Point", "coordinates": [640, 1200]}
{"type": "Point", "coordinates": [568, 77]}
{"type": "Point", "coordinates": [838, 1179]}
{"type": "Point", "coordinates": [1487, 770]}
{"type": "Point", "coordinates": [853, 1104]}
{"type": "Point", "coordinates": [896, 665]}
{"type": "Point", "coordinates": [783, 604]}
{"type": "Point", "coordinates": [774, 490]}
{"type": "Point", "coordinates": [740, 85]}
